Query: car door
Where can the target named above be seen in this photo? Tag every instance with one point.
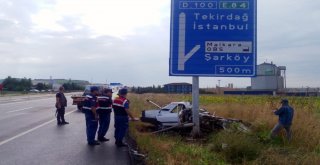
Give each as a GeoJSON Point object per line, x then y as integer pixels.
{"type": "Point", "coordinates": [170, 118]}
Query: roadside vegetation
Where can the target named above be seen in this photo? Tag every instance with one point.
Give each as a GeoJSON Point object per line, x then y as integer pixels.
{"type": "Point", "coordinates": [17, 86]}
{"type": "Point", "coordinates": [13, 84]}
{"type": "Point", "coordinates": [233, 147]}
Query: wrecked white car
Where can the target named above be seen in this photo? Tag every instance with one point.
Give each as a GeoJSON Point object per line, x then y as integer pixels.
{"type": "Point", "coordinates": [179, 114]}
{"type": "Point", "coordinates": [166, 116]}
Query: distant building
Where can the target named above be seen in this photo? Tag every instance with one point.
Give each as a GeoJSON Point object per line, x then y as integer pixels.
{"type": "Point", "coordinates": [59, 81]}
{"type": "Point", "coordinates": [307, 91]}
{"type": "Point", "coordinates": [178, 88]}
{"type": "Point", "coordinates": [269, 78]}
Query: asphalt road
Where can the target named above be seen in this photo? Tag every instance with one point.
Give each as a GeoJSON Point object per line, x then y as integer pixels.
{"type": "Point", "coordinates": [29, 135]}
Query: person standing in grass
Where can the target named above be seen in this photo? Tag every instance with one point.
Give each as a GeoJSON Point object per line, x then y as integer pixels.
{"type": "Point", "coordinates": [285, 114]}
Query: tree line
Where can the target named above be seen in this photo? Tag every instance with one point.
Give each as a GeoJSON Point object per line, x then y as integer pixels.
{"type": "Point", "coordinates": [71, 86]}
{"type": "Point", "coordinates": [14, 84]}
{"type": "Point", "coordinates": [24, 84]}
{"type": "Point", "coordinates": [151, 89]}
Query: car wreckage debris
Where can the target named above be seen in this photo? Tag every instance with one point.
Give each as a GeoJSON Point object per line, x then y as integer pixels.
{"type": "Point", "coordinates": [184, 125]}
{"type": "Point", "coordinates": [209, 123]}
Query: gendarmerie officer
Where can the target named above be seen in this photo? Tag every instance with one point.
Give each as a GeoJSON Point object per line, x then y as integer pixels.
{"type": "Point", "coordinates": [89, 107]}
{"type": "Point", "coordinates": [121, 114]}
{"type": "Point", "coordinates": [104, 111]}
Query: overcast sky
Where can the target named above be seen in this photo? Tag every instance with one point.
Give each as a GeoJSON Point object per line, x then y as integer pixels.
{"type": "Point", "coordinates": [128, 41]}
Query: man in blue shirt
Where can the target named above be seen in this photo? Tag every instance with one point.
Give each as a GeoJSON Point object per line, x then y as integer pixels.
{"type": "Point", "coordinates": [90, 108]}
{"type": "Point", "coordinates": [285, 114]}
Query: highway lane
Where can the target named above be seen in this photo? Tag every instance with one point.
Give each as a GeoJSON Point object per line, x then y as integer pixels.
{"type": "Point", "coordinates": [25, 114]}
{"type": "Point", "coordinates": [11, 99]}
{"type": "Point", "coordinates": [29, 135]}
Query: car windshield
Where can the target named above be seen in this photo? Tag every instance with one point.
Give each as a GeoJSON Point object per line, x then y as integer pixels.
{"type": "Point", "coordinates": [87, 89]}
{"type": "Point", "coordinates": [169, 107]}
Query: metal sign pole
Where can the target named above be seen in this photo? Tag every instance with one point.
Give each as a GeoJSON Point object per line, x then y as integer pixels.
{"type": "Point", "coordinates": [195, 106]}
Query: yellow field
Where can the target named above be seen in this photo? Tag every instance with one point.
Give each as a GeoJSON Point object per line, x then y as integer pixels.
{"type": "Point", "coordinates": [253, 148]}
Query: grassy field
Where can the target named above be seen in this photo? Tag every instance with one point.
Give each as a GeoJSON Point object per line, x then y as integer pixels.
{"type": "Point", "coordinates": [234, 147]}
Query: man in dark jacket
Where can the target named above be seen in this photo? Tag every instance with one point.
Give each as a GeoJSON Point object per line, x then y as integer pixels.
{"type": "Point", "coordinates": [285, 114]}
{"type": "Point", "coordinates": [90, 110]}
{"type": "Point", "coordinates": [61, 104]}
{"type": "Point", "coordinates": [104, 110]}
{"type": "Point", "coordinates": [121, 116]}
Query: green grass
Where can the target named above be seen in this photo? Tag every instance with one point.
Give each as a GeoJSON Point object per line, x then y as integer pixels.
{"type": "Point", "coordinates": [172, 149]}
{"type": "Point", "coordinates": [234, 147]}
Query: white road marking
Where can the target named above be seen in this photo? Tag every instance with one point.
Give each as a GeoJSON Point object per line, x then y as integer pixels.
{"type": "Point", "coordinates": [23, 100]}
{"type": "Point", "coordinates": [18, 102]}
{"type": "Point", "coordinates": [20, 110]}
{"type": "Point", "coordinates": [31, 130]}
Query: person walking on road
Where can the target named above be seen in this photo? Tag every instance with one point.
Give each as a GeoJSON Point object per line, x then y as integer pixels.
{"type": "Point", "coordinates": [104, 111]}
{"type": "Point", "coordinates": [121, 114]}
{"type": "Point", "coordinates": [61, 103]}
{"type": "Point", "coordinates": [90, 107]}
{"type": "Point", "coordinates": [285, 114]}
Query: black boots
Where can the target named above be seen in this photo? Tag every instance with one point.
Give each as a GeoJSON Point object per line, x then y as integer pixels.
{"type": "Point", "coordinates": [121, 144]}
{"type": "Point", "coordinates": [103, 139]}
{"type": "Point", "coordinates": [65, 122]}
{"type": "Point", "coordinates": [95, 143]}
{"type": "Point", "coordinates": [62, 123]}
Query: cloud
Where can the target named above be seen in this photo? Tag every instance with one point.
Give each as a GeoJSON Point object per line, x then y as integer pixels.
{"type": "Point", "coordinates": [115, 18]}
{"type": "Point", "coordinates": [128, 41]}
{"type": "Point", "coordinates": [288, 35]}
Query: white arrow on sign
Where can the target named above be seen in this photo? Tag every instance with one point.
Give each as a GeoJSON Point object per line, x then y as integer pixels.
{"type": "Point", "coordinates": [183, 58]}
